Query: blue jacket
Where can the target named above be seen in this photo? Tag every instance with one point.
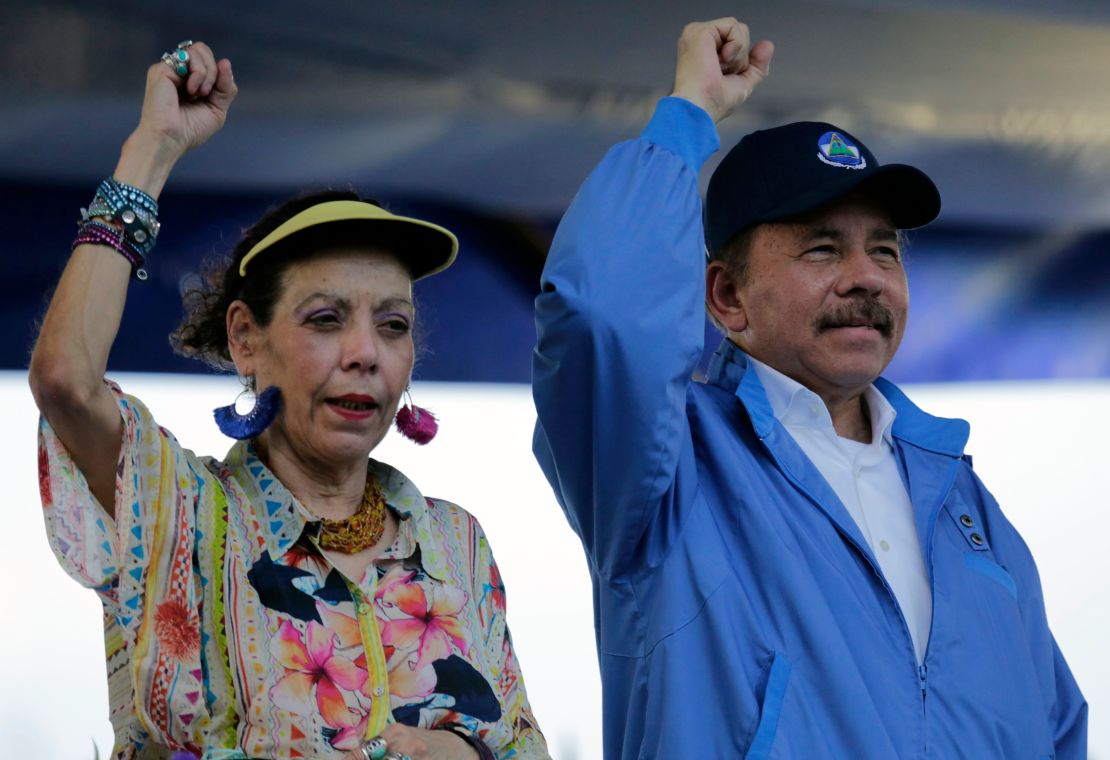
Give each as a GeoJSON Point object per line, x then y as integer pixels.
{"type": "Point", "coordinates": [739, 611]}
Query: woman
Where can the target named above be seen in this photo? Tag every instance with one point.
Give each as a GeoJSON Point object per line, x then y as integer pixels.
{"type": "Point", "coordinates": [297, 599]}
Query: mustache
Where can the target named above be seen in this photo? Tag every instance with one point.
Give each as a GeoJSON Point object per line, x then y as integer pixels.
{"type": "Point", "coordinates": [862, 311]}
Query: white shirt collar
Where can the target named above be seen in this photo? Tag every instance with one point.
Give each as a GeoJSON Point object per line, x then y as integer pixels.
{"type": "Point", "coordinates": [796, 406]}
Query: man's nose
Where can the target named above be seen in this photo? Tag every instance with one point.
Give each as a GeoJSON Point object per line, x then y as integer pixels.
{"type": "Point", "coordinates": [861, 273]}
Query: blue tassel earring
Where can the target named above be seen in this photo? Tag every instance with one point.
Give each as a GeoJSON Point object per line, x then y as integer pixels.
{"type": "Point", "coordinates": [243, 426]}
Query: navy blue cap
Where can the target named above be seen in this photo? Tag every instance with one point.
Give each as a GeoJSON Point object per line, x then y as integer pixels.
{"type": "Point", "coordinates": [782, 172]}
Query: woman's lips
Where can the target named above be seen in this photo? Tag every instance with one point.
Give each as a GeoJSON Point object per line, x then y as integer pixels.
{"type": "Point", "coordinates": [353, 406]}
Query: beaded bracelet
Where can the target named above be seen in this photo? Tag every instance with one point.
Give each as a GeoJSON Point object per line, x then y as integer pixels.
{"type": "Point", "coordinates": [133, 209]}
{"type": "Point", "coordinates": [100, 207]}
{"type": "Point", "coordinates": [104, 234]}
{"type": "Point", "coordinates": [99, 233]}
{"type": "Point", "coordinates": [119, 193]}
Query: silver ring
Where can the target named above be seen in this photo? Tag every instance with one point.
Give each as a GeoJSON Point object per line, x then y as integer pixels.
{"type": "Point", "coordinates": [178, 60]}
{"type": "Point", "coordinates": [373, 749]}
{"type": "Point", "coordinates": [181, 62]}
{"type": "Point", "coordinates": [184, 43]}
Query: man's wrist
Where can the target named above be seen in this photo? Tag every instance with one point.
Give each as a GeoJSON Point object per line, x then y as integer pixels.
{"type": "Point", "coordinates": [694, 100]}
{"type": "Point", "coordinates": [684, 128]}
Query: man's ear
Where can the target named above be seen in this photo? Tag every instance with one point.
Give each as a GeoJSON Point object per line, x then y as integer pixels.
{"type": "Point", "coordinates": [722, 296]}
{"type": "Point", "coordinates": [243, 336]}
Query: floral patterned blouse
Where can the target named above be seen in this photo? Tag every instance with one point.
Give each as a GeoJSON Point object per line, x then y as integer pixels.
{"type": "Point", "coordinates": [228, 634]}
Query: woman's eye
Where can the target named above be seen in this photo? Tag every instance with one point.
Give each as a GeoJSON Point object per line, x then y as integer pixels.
{"type": "Point", "coordinates": [396, 326]}
{"type": "Point", "coordinates": [324, 318]}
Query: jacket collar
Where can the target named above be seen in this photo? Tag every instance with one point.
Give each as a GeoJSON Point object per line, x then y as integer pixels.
{"type": "Point", "coordinates": [729, 370]}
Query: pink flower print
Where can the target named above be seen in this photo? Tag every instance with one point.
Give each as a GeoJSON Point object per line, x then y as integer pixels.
{"type": "Point", "coordinates": [431, 627]}
{"type": "Point", "coordinates": [408, 678]}
{"type": "Point", "coordinates": [348, 635]}
{"type": "Point", "coordinates": [313, 662]}
{"type": "Point", "coordinates": [177, 630]}
{"type": "Point", "coordinates": [343, 626]}
{"type": "Point", "coordinates": [302, 556]}
{"type": "Point", "coordinates": [396, 576]}
{"type": "Point", "coordinates": [353, 732]}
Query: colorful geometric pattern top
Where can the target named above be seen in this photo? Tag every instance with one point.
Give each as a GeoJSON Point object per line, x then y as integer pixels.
{"type": "Point", "coordinates": [229, 634]}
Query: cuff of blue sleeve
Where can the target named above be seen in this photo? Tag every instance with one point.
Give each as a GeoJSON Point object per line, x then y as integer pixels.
{"type": "Point", "coordinates": [684, 129]}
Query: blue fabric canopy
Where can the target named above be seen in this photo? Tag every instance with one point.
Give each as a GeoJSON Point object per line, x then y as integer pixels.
{"type": "Point", "coordinates": [987, 303]}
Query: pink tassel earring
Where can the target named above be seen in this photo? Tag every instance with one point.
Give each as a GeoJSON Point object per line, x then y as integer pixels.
{"type": "Point", "coordinates": [416, 423]}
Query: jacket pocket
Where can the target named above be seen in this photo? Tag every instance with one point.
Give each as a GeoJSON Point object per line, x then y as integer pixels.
{"type": "Point", "coordinates": [778, 677]}
{"type": "Point", "coordinates": [985, 566]}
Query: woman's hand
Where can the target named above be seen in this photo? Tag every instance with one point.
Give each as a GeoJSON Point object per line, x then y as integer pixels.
{"type": "Point", "coordinates": [422, 744]}
{"type": "Point", "coordinates": [187, 111]}
{"type": "Point", "coordinates": [178, 115]}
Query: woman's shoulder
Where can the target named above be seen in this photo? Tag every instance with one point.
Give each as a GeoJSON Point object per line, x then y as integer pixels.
{"type": "Point", "coordinates": [143, 429]}
{"type": "Point", "coordinates": [451, 513]}
{"type": "Point", "coordinates": [404, 496]}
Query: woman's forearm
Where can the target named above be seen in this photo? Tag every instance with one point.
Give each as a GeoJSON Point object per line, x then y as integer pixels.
{"type": "Point", "coordinates": [181, 110]}
{"type": "Point", "coordinates": [81, 323]}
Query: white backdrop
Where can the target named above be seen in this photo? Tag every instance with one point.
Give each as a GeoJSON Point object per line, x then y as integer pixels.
{"type": "Point", "coordinates": [1041, 447]}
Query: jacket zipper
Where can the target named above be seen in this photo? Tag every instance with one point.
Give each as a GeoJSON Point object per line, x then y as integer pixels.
{"type": "Point", "coordinates": [922, 671]}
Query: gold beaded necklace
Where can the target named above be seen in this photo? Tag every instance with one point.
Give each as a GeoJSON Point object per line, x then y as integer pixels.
{"type": "Point", "coordinates": [361, 530]}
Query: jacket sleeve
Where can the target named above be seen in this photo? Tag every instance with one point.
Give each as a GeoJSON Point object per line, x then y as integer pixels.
{"type": "Point", "coordinates": [620, 326]}
{"type": "Point", "coordinates": [1066, 706]}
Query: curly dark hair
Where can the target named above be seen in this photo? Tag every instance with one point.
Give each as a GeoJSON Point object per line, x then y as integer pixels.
{"type": "Point", "coordinates": [202, 333]}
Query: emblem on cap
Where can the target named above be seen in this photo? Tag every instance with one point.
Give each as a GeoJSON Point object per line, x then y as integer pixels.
{"type": "Point", "coordinates": [835, 149]}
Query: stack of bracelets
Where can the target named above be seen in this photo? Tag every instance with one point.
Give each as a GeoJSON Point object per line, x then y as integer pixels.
{"type": "Point", "coordinates": [135, 218]}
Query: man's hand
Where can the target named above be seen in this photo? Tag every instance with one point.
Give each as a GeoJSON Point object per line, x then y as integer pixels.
{"type": "Point", "coordinates": [717, 67]}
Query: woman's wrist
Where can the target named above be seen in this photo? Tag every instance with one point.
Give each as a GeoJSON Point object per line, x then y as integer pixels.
{"type": "Point", "coordinates": [477, 746]}
{"type": "Point", "coordinates": [146, 161]}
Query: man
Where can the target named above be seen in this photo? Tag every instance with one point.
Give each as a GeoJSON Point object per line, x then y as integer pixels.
{"type": "Point", "coordinates": [790, 560]}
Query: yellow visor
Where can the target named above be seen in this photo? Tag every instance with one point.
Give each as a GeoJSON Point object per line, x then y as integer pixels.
{"type": "Point", "coordinates": [424, 247]}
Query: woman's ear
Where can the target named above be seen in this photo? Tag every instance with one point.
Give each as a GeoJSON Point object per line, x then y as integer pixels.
{"type": "Point", "coordinates": [243, 337]}
{"type": "Point", "coordinates": [722, 296]}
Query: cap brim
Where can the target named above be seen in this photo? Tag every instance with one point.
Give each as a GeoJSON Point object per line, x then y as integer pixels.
{"type": "Point", "coordinates": [423, 247]}
{"type": "Point", "coordinates": [904, 191]}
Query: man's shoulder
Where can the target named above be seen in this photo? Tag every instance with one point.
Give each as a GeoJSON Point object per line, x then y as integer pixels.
{"type": "Point", "coordinates": [718, 420]}
{"type": "Point", "coordinates": [913, 425]}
